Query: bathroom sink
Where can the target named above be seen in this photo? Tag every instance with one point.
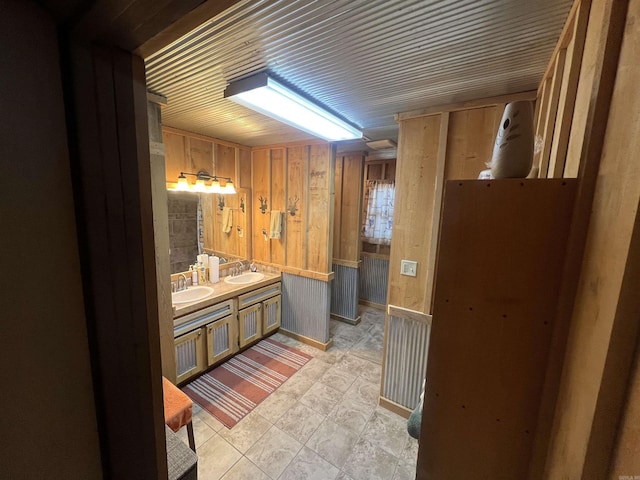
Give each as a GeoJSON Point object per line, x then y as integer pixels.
{"type": "Point", "coordinates": [191, 294]}
{"type": "Point", "coordinates": [249, 277]}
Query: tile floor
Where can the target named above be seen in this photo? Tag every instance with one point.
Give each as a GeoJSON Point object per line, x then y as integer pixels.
{"type": "Point", "coordinates": [322, 424]}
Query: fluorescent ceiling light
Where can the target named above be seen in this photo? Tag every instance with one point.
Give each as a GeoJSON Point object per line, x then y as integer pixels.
{"type": "Point", "coordinates": [263, 94]}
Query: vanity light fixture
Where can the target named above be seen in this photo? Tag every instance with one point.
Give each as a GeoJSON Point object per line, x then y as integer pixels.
{"type": "Point", "coordinates": [269, 97]}
{"type": "Point", "coordinates": [202, 178]}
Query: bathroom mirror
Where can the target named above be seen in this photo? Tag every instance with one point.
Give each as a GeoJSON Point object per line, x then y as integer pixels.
{"type": "Point", "coordinates": [220, 223]}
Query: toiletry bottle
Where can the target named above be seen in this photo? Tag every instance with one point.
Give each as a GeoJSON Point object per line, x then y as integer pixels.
{"type": "Point", "coordinates": [194, 275]}
{"type": "Point", "coordinates": [253, 267]}
{"type": "Point", "coordinates": [202, 274]}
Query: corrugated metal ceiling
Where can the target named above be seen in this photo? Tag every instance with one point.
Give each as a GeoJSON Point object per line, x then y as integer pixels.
{"type": "Point", "coordinates": [365, 59]}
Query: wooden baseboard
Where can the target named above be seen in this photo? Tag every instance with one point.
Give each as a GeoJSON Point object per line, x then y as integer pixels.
{"type": "Point", "coordinates": [350, 321]}
{"type": "Point", "coordinates": [309, 341]}
{"type": "Point", "coordinates": [394, 407]}
{"type": "Point", "coordinates": [367, 303]}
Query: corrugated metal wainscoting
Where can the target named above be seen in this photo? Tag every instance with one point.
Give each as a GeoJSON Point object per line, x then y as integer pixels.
{"type": "Point", "coordinates": [344, 292]}
{"type": "Point", "coordinates": [305, 306]}
{"type": "Point", "coordinates": [405, 362]}
{"type": "Point", "coordinates": [374, 279]}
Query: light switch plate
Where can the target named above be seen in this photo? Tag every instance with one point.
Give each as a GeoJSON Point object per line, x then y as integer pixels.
{"type": "Point", "coordinates": [408, 267]}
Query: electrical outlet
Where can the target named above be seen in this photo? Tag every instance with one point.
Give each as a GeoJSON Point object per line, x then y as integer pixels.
{"type": "Point", "coordinates": [408, 267]}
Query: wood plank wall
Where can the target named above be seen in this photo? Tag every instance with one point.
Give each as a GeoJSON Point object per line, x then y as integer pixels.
{"type": "Point", "coordinates": [435, 144]}
{"type": "Point", "coordinates": [556, 118]}
{"type": "Point", "coordinates": [190, 152]}
{"type": "Point", "coordinates": [348, 207]}
{"type": "Point", "coordinates": [298, 180]}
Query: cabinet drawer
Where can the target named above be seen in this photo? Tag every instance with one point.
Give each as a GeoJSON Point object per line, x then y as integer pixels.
{"type": "Point", "coordinates": [202, 317]}
{"type": "Point", "coordinates": [259, 295]}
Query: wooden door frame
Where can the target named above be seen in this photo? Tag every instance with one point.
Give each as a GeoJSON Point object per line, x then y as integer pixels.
{"type": "Point", "coordinates": [106, 109]}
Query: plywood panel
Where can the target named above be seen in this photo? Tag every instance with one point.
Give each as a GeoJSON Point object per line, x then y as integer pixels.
{"type": "Point", "coordinates": [261, 171]}
{"type": "Point", "coordinates": [297, 159]}
{"type": "Point", "coordinates": [175, 155]}
{"type": "Point", "coordinates": [585, 85]}
{"type": "Point", "coordinates": [244, 168]}
{"type": "Point", "coordinates": [200, 156]}
{"type": "Point", "coordinates": [492, 324]}
{"type": "Point", "coordinates": [319, 208]}
{"type": "Point", "coordinates": [416, 174]}
{"type": "Point", "coordinates": [337, 208]}
{"type": "Point", "coordinates": [551, 113]}
{"type": "Point", "coordinates": [351, 207]}
{"type": "Point", "coordinates": [470, 140]}
{"type": "Point", "coordinates": [278, 202]}
{"type": "Point", "coordinates": [226, 161]}
{"type": "Point", "coordinates": [245, 211]}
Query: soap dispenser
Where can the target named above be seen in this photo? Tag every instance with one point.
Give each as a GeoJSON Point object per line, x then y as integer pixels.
{"type": "Point", "coordinates": [194, 274]}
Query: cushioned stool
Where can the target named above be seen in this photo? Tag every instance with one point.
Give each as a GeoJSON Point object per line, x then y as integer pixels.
{"type": "Point", "coordinates": [178, 410]}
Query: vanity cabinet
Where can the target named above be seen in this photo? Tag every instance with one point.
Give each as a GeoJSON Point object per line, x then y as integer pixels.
{"type": "Point", "coordinates": [259, 313]}
{"type": "Point", "coordinates": [208, 336]}
{"type": "Point", "coordinates": [222, 339]}
{"type": "Point", "coordinates": [189, 354]}
{"type": "Point", "coordinates": [204, 337]}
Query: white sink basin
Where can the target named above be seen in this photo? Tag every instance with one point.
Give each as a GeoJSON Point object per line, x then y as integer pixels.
{"type": "Point", "coordinates": [249, 277]}
{"type": "Point", "coordinates": [191, 294]}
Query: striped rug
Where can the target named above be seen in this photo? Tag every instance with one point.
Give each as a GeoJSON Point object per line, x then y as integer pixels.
{"type": "Point", "coordinates": [232, 390]}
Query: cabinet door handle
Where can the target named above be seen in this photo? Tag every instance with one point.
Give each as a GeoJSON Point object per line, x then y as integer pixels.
{"type": "Point", "coordinates": [199, 333]}
{"type": "Point", "coordinates": [260, 307]}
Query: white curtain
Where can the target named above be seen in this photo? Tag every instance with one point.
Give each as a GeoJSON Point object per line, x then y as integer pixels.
{"type": "Point", "coordinates": [379, 217]}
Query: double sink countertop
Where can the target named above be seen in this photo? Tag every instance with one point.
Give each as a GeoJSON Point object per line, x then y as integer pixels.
{"type": "Point", "coordinates": [223, 291]}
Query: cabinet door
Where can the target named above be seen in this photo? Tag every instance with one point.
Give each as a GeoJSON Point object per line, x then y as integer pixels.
{"type": "Point", "coordinates": [250, 322]}
{"type": "Point", "coordinates": [271, 314]}
{"type": "Point", "coordinates": [189, 354]}
{"type": "Point", "coordinates": [222, 339]}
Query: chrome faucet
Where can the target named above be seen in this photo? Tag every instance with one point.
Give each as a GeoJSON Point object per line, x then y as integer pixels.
{"type": "Point", "coordinates": [184, 278]}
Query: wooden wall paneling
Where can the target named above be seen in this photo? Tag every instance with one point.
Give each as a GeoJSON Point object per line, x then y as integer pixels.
{"type": "Point", "coordinates": [487, 355]}
{"type": "Point", "coordinates": [598, 354]}
{"type": "Point", "coordinates": [568, 92]}
{"type": "Point", "coordinates": [350, 208]}
{"type": "Point", "coordinates": [551, 113]}
{"type": "Point", "coordinates": [390, 170]}
{"type": "Point", "coordinates": [337, 209]}
{"type": "Point", "coordinates": [586, 82]}
{"type": "Point", "coordinates": [261, 174]}
{"type": "Point", "coordinates": [542, 107]}
{"type": "Point", "coordinates": [175, 151]}
{"type": "Point", "coordinates": [244, 221]}
{"type": "Point", "coordinates": [297, 166]}
{"type": "Point", "coordinates": [200, 156]}
{"type": "Point", "coordinates": [469, 143]}
{"type": "Point", "coordinates": [279, 202]}
{"type": "Point", "coordinates": [244, 168]}
{"type": "Point", "coordinates": [416, 174]}
{"type": "Point", "coordinates": [445, 122]}
{"type": "Point", "coordinates": [225, 161]}
{"type": "Point", "coordinates": [320, 208]}
{"type": "Point", "coordinates": [208, 205]}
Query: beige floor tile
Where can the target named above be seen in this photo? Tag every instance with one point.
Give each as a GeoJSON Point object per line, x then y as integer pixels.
{"type": "Point", "coordinates": [388, 432]}
{"type": "Point", "coordinates": [343, 476]}
{"type": "Point", "coordinates": [215, 458]}
{"type": "Point", "coordinates": [332, 442]}
{"type": "Point", "coordinates": [370, 462]}
{"type": "Point", "coordinates": [405, 471]}
{"type": "Point", "coordinates": [245, 470]}
{"type": "Point", "coordinates": [246, 432]}
{"type": "Point", "coordinates": [308, 465]}
{"type": "Point", "coordinates": [276, 404]}
{"type": "Point", "coordinates": [321, 398]}
{"type": "Point", "coordinates": [351, 413]}
{"type": "Point", "coordinates": [273, 452]}
{"type": "Point", "coordinates": [338, 378]}
{"type": "Point", "coordinates": [300, 422]}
